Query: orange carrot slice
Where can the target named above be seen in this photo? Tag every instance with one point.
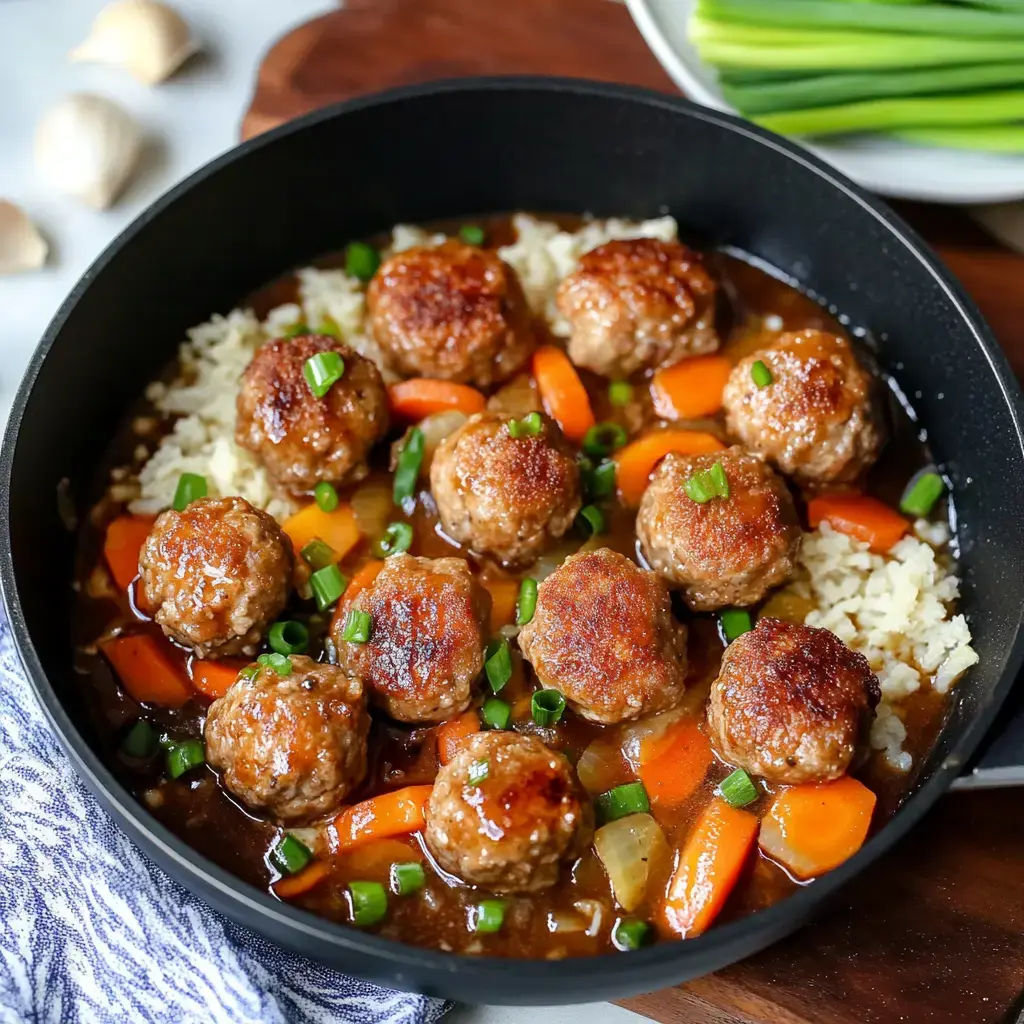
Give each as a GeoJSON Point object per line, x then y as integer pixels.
{"type": "Point", "coordinates": [363, 577]}
{"type": "Point", "coordinates": [562, 392]}
{"type": "Point", "coordinates": [504, 595]}
{"type": "Point", "coordinates": [309, 877]}
{"type": "Point", "coordinates": [122, 544]}
{"type": "Point", "coordinates": [690, 389]}
{"type": "Point", "coordinates": [214, 678]}
{"type": "Point", "coordinates": [451, 734]}
{"type": "Point", "coordinates": [674, 764]}
{"type": "Point", "coordinates": [415, 399]}
{"type": "Point", "coordinates": [859, 516]}
{"type": "Point", "coordinates": [390, 814]}
{"type": "Point", "coordinates": [148, 669]}
{"type": "Point", "coordinates": [338, 529]}
{"type": "Point", "coordinates": [637, 461]}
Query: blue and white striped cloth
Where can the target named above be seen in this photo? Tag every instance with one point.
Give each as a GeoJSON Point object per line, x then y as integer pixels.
{"type": "Point", "coordinates": [92, 931]}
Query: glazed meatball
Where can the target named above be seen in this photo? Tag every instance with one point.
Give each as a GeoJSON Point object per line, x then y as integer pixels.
{"type": "Point", "coordinates": [638, 304]}
{"type": "Point", "coordinates": [215, 575]}
{"type": "Point", "coordinates": [603, 634]}
{"type": "Point", "coordinates": [428, 622]}
{"type": "Point", "coordinates": [724, 551]}
{"type": "Point", "coordinates": [454, 312]}
{"type": "Point", "coordinates": [301, 439]}
{"type": "Point", "coordinates": [791, 703]}
{"type": "Point", "coordinates": [514, 828]}
{"type": "Point", "coordinates": [818, 419]}
{"type": "Point", "coordinates": [293, 746]}
{"type": "Point", "coordinates": [501, 495]}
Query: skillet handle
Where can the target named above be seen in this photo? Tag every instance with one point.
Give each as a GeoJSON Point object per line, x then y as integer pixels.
{"type": "Point", "coordinates": [1000, 759]}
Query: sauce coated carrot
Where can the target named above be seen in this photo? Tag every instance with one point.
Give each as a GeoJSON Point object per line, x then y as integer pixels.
{"type": "Point", "coordinates": [451, 734]}
{"type": "Point", "coordinates": [121, 546]}
{"type": "Point", "coordinates": [214, 678]}
{"type": "Point", "coordinates": [390, 814]}
{"type": "Point", "coordinates": [858, 516]}
{"type": "Point", "coordinates": [674, 764]}
{"type": "Point", "coordinates": [562, 392]}
{"type": "Point", "coordinates": [309, 877]}
{"type": "Point", "coordinates": [504, 595]}
{"type": "Point", "coordinates": [635, 463]}
{"type": "Point", "coordinates": [690, 389]}
{"type": "Point", "coordinates": [415, 399]}
{"type": "Point", "coordinates": [148, 669]}
{"type": "Point", "coordinates": [338, 529]}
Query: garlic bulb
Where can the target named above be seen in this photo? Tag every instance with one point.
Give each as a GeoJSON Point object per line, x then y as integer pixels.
{"type": "Point", "coordinates": [21, 245]}
{"type": "Point", "coordinates": [150, 40]}
{"type": "Point", "coordinates": [87, 146]}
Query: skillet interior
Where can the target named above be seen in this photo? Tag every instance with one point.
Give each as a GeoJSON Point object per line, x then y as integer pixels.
{"type": "Point", "coordinates": [456, 149]}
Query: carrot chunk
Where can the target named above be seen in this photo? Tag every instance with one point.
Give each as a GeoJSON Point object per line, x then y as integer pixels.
{"type": "Point", "coordinates": [504, 595]}
{"type": "Point", "coordinates": [148, 669]}
{"type": "Point", "coordinates": [709, 866]}
{"type": "Point", "coordinates": [673, 765]}
{"type": "Point", "coordinates": [390, 814]}
{"type": "Point", "coordinates": [338, 529]}
{"type": "Point", "coordinates": [364, 576]}
{"type": "Point", "coordinates": [859, 516]}
{"type": "Point", "coordinates": [690, 389]}
{"type": "Point", "coordinates": [814, 827]}
{"type": "Point", "coordinates": [635, 463]}
{"type": "Point", "coordinates": [562, 392]}
{"type": "Point", "coordinates": [122, 544]}
{"type": "Point", "coordinates": [415, 399]}
{"type": "Point", "coordinates": [309, 877]}
{"type": "Point", "coordinates": [214, 678]}
{"type": "Point", "coordinates": [451, 734]}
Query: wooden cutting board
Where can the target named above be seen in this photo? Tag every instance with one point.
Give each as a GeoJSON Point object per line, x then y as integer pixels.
{"type": "Point", "coordinates": [932, 934]}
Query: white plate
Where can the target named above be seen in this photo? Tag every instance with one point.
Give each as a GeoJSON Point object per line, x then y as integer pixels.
{"type": "Point", "coordinates": [887, 166]}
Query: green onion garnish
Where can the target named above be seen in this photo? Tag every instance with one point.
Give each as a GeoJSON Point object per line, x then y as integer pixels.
{"type": "Point", "coordinates": [598, 481]}
{"type": "Point", "coordinates": [527, 603]}
{"type": "Point", "coordinates": [719, 479]}
{"type": "Point", "coordinates": [408, 878]}
{"type": "Point", "coordinates": [737, 790]}
{"type": "Point", "coordinates": [361, 260]}
{"type": "Point", "coordinates": [479, 770]}
{"type": "Point", "coordinates": [190, 487]}
{"type": "Point", "coordinates": [529, 426]}
{"type": "Point", "coordinates": [327, 584]}
{"type": "Point", "coordinates": [289, 855]}
{"type": "Point", "coordinates": [734, 622]}
{"type": "Point", "coordinates": [495, 713]}
{"type": "Point", "coordinates": [923, 491]}
{"type": "Point", "coordinates": [288, 637]}
{"type": "Point", "coordinates": [249, 672]}
{"type": "Point", "coordinates": [280, 663]}
{"type": "Point", "coordinates": [704, 485]}
{"type": "Point", "coordinates": [369, 903]}
{"type": "Point", "coordinates": [357, 627]}
{"type": "Point", "coordinates": [590, 521]}
{"type": "Point", "coordinates": [498, 663]}
{"type": "Point", "coordinates": [318, 555]}
{"type": "Point", "coordinates": [603, 439]}
{"type": "Point", "coordinates": [628, 935]}
{"type": "Point", "coordinates": [488, 916]}
{"type": "Point", "coordinates": [329, 326]}
{"type": "Point", "coordinates": [547, 707]}
{"type": "Point", "coordinates": [183, 757]}
{"type": "Point", "coordinates": [620, 392]}
{"type": "Point", "coordinates": [140, 740]}
{"type": "Point", "coordinates": [395, 539]}
{"type": "Point", "coordinates": [760, 374]}
{"type": "Point", "coordinates": [472, 234]}
{"type": "Point", "coordinates": [295, 330]}
{"type": "Point", "coordinates": [322, 371]}
{"type": "Point", "coordinates": [325, 496]}
{"type": "Point", "coordinates": [407, 470]}
{"type": "Point", "coordinates": [621, 801]}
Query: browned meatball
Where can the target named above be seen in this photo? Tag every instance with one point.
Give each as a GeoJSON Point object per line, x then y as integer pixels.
{"type": "Point", "coordinates": [818, 419]}
{"type": "Point", "coordinates": [216, 575]}
{"type": "Point", "coordinates": [427, 637]}
{"type": "Point", "coordinates": [453, 312]}
{"type": "Point", "coordinates": [501, 495]}
{"type": "Point", "coordinates": [512, 829]}
{"type": "Point", "coordinates": [290, 746]}
{"type": "Point", "coordinates": [638, 304]}
{"type": "Point", "coordinates": [603, 634]}
{"type": "Point", "coordinates": [726, 551]}
{"type": "Point", "coordinates": [302, 439]}
{"type": "Point", "coordinates": [791, 703]}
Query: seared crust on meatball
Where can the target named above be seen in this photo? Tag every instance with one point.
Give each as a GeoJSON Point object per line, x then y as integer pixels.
{"type": "Point", "coordinates": [791, 703]}
{"type": "Point", "coordinates": [603, 634]}
{"type": "Point", "coordinates": [290, 746]}
{"type": "Point", "coordinates": [453, 311]}
{"type": "Point", "coordinates": [301, 439]}
{"type": "Point", "coordinates": [726, 551]}
{"type": "Point", "coordinates": [638, 304]}
{"type": "Point", "coordinates": [501, 495]}
{"type": "Point", "coordinates": [819, 419]}
{"type": "Point", "coordinates": [513, 830]}
{"type": "Point", "coordinates": [428, 633]}
{"type": "Point", "coordinates": [215, 575]}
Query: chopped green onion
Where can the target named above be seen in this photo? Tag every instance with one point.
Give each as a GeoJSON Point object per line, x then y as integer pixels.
{"type": "Point", "coordinates": [322, 371]}
{"type": "Point", "coordinates": [628, 935]}
{"type": "Point", "coordinates": [527, 603]}
{"type": "Point", "coordinates": [396, 539]}
{"type": "Point", "coordinates": [620, 392]}
{"type": "Point", "coordinates": [361, 260]}
{"type": "Point", "coordinates": [190, 487]}
{"type": "Point", "coordinates": [140, 740]}
{"type": "Point", "coordinates": [288, 637]}
{"type": "Point", "coordinates": [760, 374]}
{"type": "Point", "coordinates": [621, 801]}
{"type": "Point", "coordinates": [495, 713]}
{"type": "Point", "coordinates": [318, 555]}
{"type": "Point", "coordinates": [249, 672]}
{"type": "Point", "coordinates": [734, 622]}
{"type": "Point", "coordinates": [289, 855]}
{"type": "Point", "coordinates": [704, 485]}
{"type": "Point", "coordinates": [329, 326]}
{"type": "Point", "coordinates": [280, 663]}
{"type": "Point", "coordinates": [923, 491]}
{"type": "Point", "coordinates": [325, 496]}
{"type": "Point", "coordinates": [183, 757]}
{"type": "Point", "coordinates": [547, 707]}
{"type": "Point", "coordinates": [590, 521]}
{"type": "Point", "coordinates": [472, 234]}
{"type": "Point", "coordinates": [369, 903]}
{"type": "Point", "coordinates": [408, 878]}
{"type": "Point", "coordinates": [295, 330]}
{"type": "Point", "coordinates": [598, 481]}
{"type": "Point", "coordinates": [737, 790]}
{"type": "Point", "coordinates": [327, 584]}
{"type": "Point", "coordinates": [603, 439]}
{"type": "Point", "coordinates": [357, 627]}
{"type": "Point", "coordinates": [719, 480]}
{"type": "Point", "coordinates": [488, 917]}
{"type": "Point", "coordinates": [479, 770]}
{"type": "Point", "coordinates": [498, 663]}
{"type": "Point", "coordinates": [529, 426]}
{"type": "Point", "coordinates": [407, 470]}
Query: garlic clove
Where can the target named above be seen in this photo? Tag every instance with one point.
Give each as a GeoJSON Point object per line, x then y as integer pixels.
{"type": "Point", "coordinates": [149, 39]}
{"type": "Point", "coordinates": [87, 146]}
{"type": "Point", "coordinates": [21, 245]}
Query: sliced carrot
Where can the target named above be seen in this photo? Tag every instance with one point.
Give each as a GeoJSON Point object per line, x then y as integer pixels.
{"type": "Point", "coordinates": [636, 462]}
{"type": "Point", "coordinates": [504, 595]}
{"type": "Point", "coordinates": [390, 814]}
{"type": "Point", "coordinates": [562, 392]}
{"type": "Point", "coordinates": [814, 827]}
{"type": "Point", "coordinates": [338, 529]}
{"type": "Point", "coordinates": [709, 866]}
{"type": "Point", "coordinates": [373, 860]}
{"type": "Point", "coordinates": [214, 678]}
{"type": "Point", "coordinates": [674, 764]}
{"type": "Point", "coordinates": [690, 389]}
{"type": "Point", "coordinates": [452, 734]}
{"type": "Point", "coordinates": [859, 516]}
{"type": "Point", "coordinates": [122, 544]}
{"type": "Point", "coordinates": [148, 669]}
{"type": "Point", "coordinates": [363, 577]}
{"type": "Point", "coordinates": [415, 399]}
{"type": "Point", "coordinates": [310, 876]}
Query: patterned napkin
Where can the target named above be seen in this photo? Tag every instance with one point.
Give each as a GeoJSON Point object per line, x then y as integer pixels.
{"type": "Point", "coordinates": [92, 931]}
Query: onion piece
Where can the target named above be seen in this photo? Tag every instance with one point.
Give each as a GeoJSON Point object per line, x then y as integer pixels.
{"type": "Point", "coordinates": [633, 850]}
{"type": "Point", "coordinates": [436, 427]}
{"type": "Point", "coordinates": [600, 766]}
{"type": "Point", "coordinates": [373, 507]}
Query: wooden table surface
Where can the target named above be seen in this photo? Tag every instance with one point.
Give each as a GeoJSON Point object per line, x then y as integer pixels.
{"type": "Point", "coordinates": [934, 932]}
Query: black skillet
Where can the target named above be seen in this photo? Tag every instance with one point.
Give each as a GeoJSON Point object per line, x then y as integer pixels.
{"type": "Point", "coordinates": [470, 147]}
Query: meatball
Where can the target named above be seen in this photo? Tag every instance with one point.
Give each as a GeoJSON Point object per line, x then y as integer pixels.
{"type": "Point", "coordinates": [290, 746]}
{"type": "Point", "coordinates": [638, 304]}
{"type": "Point", "coordinates": [819, 418]}
{"type": "Point", "coordinates": [603, 634]}
{"type": "Point", "coordinates": [215, 575]}
{"type": "Point", "coordinates": [791, 703]}
{"type": "Point", "coordinates": [453, 312]}
{"type": "Point", "coordinates": [501, 495]}
{"type": "Point", "coordinates": [506, 813]}
{"type": "Point", "coordinates": [301, 439]}
{"type": "Point", "coordinates": [725, 551]}
{"type": "Point", "coordinates": [428, 622]}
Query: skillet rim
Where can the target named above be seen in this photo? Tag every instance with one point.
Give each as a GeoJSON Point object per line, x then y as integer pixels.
{"type": "Point", "coordinates": [576, 978]}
